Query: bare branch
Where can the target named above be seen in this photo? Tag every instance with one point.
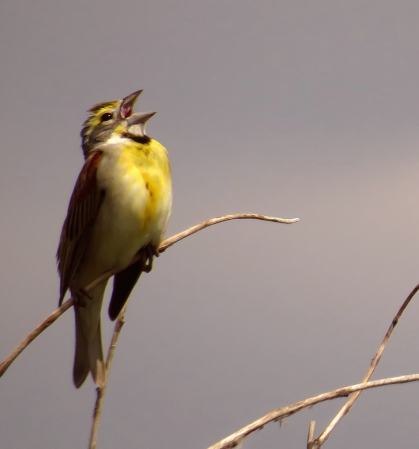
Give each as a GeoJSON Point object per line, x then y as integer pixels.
{"type": "Point", "coordinates": [121, 320]}
{"type": "Point", "coordinates": [163, 246]}
{"type": "Point", "coordinates": [37, 331]}
{"type": "Point", "coordinates": [102, 390]}
{"type": "Point", "coordinates": [345, 409]}
{"type": "Point", "coordinates": [310, 436]}
{"type": "Point", "coordinates": [205, 224]}
{"type": "Point", "coordinates": [281, 413]}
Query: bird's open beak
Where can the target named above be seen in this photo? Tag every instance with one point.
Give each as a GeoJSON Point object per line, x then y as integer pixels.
{"type": "Point", "coordinates": [127, 104]}
{"type": "Point", "coordinates": [136, 123]}
{"type": "Point", "coordinates": [139, 118]}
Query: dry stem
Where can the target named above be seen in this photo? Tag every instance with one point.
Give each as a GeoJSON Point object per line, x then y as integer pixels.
{"type": "Point", "coordinates": [102, 390]}
{"type": "Point", "coordinates": [121, 320]}
{"type": "Point", "coordinates": [310, 436]}
{"type": "Point", "coordinates": [32, 335]}
{"type": "Point", "coordinates": [163, 246]}
{"type": "Point", "coordinates": [345, 409]}
{"type": "Point", "coordinates": [281, 413]}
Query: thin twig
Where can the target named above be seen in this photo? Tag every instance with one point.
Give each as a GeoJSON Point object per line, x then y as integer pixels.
{"type": "Point", "coordinates": [205, 224]}
{"type": "Point", "coordinates": [283, 412]}
{"type": "Point", "coordinates": [121, 320]}
{"type": "Point", "coordinates": [163, 246]}
{"type": "Point", "coordinates": [102, 390]}
{"type": "Point", "coordinates": [345, 409]}
{"type": "Point", "coordinates": [37, 331]}
{"type": "Point", "coordinates": [310, 436]}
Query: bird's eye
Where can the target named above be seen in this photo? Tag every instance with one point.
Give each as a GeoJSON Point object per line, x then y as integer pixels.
{"type": "Point", "coordinates": [106, 117]}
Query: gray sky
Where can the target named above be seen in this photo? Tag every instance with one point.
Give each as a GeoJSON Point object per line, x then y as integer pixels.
{"type": "Point", "coordinates": [295, 109]}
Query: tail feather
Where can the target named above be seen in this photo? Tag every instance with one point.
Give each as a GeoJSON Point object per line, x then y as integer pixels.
{"type": "Point", "coordinates": [123, 284]}
{"type": "Point", "coordinates": [81, 359]}
{"type": "Point", "coordinates": [97, 365]}
{"type": "Point", "coordinates": [89, 353]}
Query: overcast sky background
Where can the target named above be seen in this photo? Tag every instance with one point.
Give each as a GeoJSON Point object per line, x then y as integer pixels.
{"type": "Point", "coordinates": [304, 109]}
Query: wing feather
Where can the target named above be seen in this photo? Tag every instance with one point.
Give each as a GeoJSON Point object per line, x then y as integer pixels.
{"type": "Point", "coordinates": [82, 211]}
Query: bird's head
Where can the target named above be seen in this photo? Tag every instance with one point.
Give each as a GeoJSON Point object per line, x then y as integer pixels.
{"type": "Point", "coordinates": [113, 116]}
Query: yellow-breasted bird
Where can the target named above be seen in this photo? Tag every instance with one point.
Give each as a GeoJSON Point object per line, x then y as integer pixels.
{"type": "Point", "coordinates": [120, 206]}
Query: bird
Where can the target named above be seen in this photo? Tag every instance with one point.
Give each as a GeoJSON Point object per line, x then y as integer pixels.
{"type": "Point", "coordinates": [119, 208]}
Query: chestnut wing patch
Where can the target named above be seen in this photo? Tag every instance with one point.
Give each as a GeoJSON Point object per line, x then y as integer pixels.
{"type": "Point", "coordinates": [82, 211]}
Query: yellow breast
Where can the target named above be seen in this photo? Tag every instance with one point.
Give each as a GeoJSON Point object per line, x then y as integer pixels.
{"type": "Point", "coordinates": [136, 207]}
{"type": "Point", "coordinates": [148, 171]}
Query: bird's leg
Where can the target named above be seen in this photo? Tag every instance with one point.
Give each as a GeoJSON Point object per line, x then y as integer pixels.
{"type": "Point", "coordinates": [148, 254]}
{"type": "Point", "coordinates": [147, 263]}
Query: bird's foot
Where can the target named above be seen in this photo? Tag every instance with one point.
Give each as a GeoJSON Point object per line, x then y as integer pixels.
{"type": "Point", "coordinates": [148, 254]}
{"type": "Point", "coordinates": [147, 264]}
{"type": "Point", "coordinates": [80, 295]}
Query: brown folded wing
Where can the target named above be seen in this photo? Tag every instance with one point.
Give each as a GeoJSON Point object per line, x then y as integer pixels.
{"type": "Point", "coordinates": [82, 211]}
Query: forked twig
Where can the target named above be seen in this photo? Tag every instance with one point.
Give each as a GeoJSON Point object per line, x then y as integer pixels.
{"type": "Point", "coordinates": [163, 246]}
{"type": "Point", "coordinates": [345, 409]}
{"type": "Point", "coordinates": [121, 320]}
{"type": "Point", "coordinates": [281, 413]}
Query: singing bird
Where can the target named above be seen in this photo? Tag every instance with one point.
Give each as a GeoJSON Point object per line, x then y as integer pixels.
{"type": "Point", "coordinates": [120, 206]}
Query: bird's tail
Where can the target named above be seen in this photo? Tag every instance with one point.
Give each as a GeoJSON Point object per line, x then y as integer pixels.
{"type": "Point", "coordinates": [89, 353]}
